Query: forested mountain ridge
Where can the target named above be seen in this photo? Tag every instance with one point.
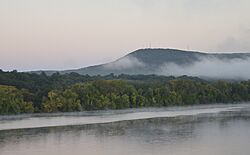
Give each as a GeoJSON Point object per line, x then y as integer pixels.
{"type": "Point", "coordinates": [130, 82]}
{"type": "Point", "coordinates": [160, 56]}
{"type": "Point", "coordinates": [153, 61]}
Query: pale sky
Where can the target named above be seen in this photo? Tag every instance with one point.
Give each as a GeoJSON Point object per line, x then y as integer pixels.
{"type": "Point", "coordinates": [67, 34]}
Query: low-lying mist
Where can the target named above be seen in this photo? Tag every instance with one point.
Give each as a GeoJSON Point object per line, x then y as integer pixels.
{"type": "Point", "coordinates": [205, 67]}
{"type": "Point", "coordinates": [210, 68]}
{"type": "Point", "coordinates": [128, 62]}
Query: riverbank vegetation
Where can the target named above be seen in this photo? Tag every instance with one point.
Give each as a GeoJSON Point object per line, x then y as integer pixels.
{"type": "Point", "coordinates": [28, 93]}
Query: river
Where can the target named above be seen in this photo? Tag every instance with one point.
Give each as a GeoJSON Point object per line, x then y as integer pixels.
{"type": "Point", "coordinates": [191, 130]}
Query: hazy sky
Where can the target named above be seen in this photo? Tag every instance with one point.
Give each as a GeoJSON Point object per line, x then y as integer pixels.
{"type": "Point", "coordinates": [65, 34]}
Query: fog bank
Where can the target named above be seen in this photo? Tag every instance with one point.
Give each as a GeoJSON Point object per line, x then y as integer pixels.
{"type": "Point", "coordinates": [128, 62]}
{"type": "Point", "coordinates": [211, 68]}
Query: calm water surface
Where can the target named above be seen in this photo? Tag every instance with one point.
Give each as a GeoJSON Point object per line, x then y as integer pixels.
{"type": "Point", "coordinates": [201, 130]}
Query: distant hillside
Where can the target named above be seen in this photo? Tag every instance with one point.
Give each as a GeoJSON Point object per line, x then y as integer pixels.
{"type": "Point", "coordinates": [163, 62]}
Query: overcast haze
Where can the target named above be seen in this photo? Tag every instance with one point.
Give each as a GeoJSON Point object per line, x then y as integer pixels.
{"type": "Point", "coordinates": [66, 34]}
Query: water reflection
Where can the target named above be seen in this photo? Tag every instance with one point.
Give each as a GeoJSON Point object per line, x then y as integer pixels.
{"type": "Point", "coordinates": [223, 133]}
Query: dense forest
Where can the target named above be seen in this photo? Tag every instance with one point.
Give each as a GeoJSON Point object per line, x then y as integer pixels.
{"type": "Point", "coordinates": [28, 93]}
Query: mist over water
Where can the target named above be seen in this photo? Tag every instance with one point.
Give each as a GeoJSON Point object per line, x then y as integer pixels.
{"type": "Point", "coordinates": [82, 118]}
{"type": "Point", "coordinates": [222, 133]}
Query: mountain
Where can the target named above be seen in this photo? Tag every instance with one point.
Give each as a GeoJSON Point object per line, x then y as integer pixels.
{"type": "Point", "coordinates": [164, 62]}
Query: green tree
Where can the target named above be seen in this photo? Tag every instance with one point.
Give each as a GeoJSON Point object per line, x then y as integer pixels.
{"type": "Point", "coordinates": [12, 101]}
{"type": "Point", "coordinates": [53, 103]}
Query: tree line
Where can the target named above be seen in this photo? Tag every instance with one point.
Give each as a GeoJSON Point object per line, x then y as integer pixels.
{"type": "Point", "coordinates": [28, 93]}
